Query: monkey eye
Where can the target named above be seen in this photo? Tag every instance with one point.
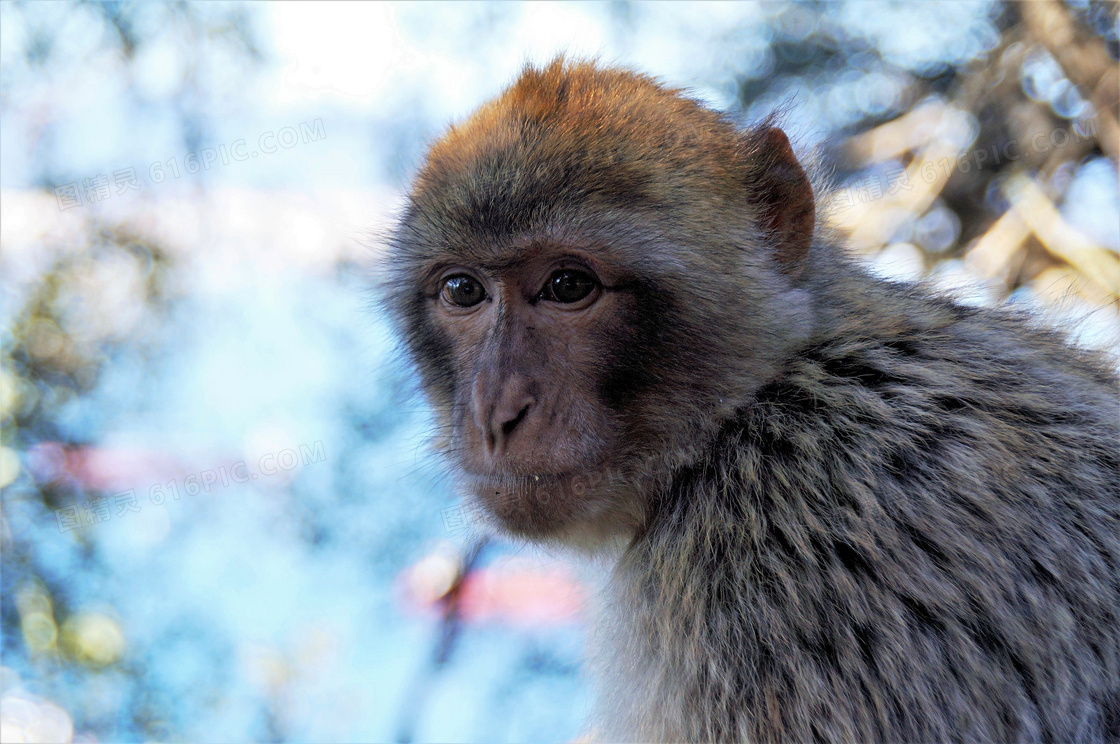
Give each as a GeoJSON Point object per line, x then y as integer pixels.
{"type": "Point", "coordinates": [568, 286]}
{"type": "Point", "coordinates": [463, 290]}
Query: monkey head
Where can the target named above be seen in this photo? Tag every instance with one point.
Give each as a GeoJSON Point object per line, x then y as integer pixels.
{"type": "Point", "coordinates": [591, 274]}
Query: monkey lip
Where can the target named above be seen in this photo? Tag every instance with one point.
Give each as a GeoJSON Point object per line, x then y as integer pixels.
{"type": "Point", "coordinates": [509, 470]}
{"type": "Point", "coordinates": [512, 477]}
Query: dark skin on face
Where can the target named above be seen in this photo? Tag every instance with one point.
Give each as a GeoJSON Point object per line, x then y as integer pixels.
{"type": "Point", "coordinates": [528, 333]}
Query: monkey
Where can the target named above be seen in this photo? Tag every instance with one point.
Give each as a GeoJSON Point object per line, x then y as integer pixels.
{"type": "Point", "coordinates": [845, 509]}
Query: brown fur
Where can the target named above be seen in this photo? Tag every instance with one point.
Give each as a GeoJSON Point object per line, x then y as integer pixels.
{"type": "Point", "coordinates": [853, 510]}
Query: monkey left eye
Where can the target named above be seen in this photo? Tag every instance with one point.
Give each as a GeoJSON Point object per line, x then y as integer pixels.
{"type": "Point", "coordinates": [568, 286]}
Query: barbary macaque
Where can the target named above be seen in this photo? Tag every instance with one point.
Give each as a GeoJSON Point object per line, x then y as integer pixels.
{"type": "Point", "coordinates": [851, 510]}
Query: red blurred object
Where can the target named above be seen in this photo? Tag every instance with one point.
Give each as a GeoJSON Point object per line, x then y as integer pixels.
{"type": "Point", "coordinates": [512, 592]}
{"type": "Point", "coordinates": [103, 468]}
{"type": "Point", "coordinates": [106, 469]}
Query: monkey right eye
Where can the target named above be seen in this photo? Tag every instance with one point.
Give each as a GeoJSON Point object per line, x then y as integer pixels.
{"type": "Point", "coordinates": [463, 291]}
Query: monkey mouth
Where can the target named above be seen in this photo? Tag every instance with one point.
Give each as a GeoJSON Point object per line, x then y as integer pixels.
{"type": "Point", "coordinates": [515, 471]}
{"type": "Point", "coordinates": [498, 478]}
{"type": "Point", "coordinates": [544, 486]}
{"type": "Point", "coordinates": [547, 505]}
{"type": "Point", "coordinates": [514, 476]}
{"type": "Point", "coordinates": [534, 506]}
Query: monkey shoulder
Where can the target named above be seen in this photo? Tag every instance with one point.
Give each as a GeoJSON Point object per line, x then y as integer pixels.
{"type": "Point", "coordinates": [958, 393]}
{"type": "Point", "coordinates": [939, 499]}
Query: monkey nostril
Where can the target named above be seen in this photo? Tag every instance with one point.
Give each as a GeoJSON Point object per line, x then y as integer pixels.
{"type": "Point", "coordinates": [498, 416]}
{"type": "Point", "coordinates": [509, 426]}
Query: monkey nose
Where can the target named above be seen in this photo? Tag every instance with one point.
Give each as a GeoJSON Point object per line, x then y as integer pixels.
{"type": "Point", "coordinates": [504, 417]}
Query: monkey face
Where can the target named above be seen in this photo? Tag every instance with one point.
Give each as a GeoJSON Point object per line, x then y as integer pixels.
{"type": "Point", "coordinates": [534, 341]}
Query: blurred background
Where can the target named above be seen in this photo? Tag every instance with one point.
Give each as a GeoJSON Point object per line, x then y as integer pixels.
{"type": "Point", "coordinates": [220, 521]}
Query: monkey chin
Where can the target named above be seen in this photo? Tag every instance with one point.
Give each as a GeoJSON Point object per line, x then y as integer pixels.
{"type": "Point", "coordinates": [573, 508]}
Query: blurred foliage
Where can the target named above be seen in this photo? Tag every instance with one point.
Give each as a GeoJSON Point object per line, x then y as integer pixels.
{"type": "Point", "coordinates": [90, 305]}
{"type": "Point", "coordinates": [62, 50]}
{"type": "Point", "coordinates": [1042, 104]}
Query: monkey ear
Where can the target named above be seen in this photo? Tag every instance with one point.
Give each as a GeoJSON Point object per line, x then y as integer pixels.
{"type": "Point", "coordinates": [783, 192]}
